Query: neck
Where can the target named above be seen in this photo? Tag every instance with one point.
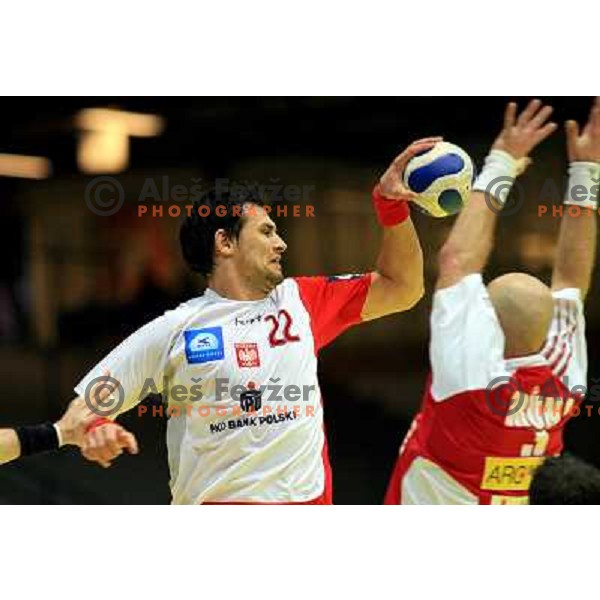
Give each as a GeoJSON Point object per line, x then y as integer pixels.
{"type": "Point", "coordinates": [231, 284]}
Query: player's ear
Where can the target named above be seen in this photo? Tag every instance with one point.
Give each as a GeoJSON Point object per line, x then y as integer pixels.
{"type": "Point", "coordinates": [224, 244]}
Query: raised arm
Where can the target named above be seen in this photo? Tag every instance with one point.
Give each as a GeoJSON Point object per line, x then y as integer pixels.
{"type": "Point", "coordinates": [397, 282]}
{"type": "Point", "coordinates": [576, 251]}
{"type": "Point", "coordinates": [470, 242]}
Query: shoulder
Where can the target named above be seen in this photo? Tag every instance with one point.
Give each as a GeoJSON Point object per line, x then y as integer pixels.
{"type": "Point", "coordinates": [174, 319]}
{"type": "Point", "coordinates": [289, 287]}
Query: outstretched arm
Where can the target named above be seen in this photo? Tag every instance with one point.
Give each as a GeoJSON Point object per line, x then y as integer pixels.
{"type": "Point", "coordinates": [397, 282]}
{"type": "Point", "coordinates": [138, 368]}
{"type": "Point", "coordinates": [576, 251]}
{"type": "Point", "coordinates": [470, 242]}
{"type": "Point", "coordinates": [34, 439]}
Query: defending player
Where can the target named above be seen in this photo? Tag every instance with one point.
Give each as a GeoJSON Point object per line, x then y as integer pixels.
{"type": "Point", "coordinates": [27, 440]}
{"type": "Point", "coordinates": [505, 358]}
{"type": "Point", "coordinates": [247, 422]}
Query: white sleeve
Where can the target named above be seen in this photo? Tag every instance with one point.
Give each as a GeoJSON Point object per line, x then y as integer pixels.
{"type": "Point", "coordinates": [565, 348]}
{"type": "Point", "coordinates": [138, 363]}
{"type": "Point", "coordinates": [467, 343]}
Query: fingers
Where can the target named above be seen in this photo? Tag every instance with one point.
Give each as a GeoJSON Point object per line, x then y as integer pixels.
{"type": "Point", "coordinates": [528, 113]}
{"type": "Point", "coordinates": [534, 117]}
{"type": "Point", "coordinates": [391, 183]}
{"type": "Point", "coordinates": [127, 441]}
{"type": "Point", "coordinates": [572, 131]}
{"type": "Point", "coordinates": [541, 117]}
{"type": "Point", "coordinates": [105, 443]}
{"type": "Point", "coordinates": [92, 456]}
{"type": "Point", "coordinates": [92, 451]}
{"type": "Point", "coordinates": [593, 124]}
{"type": "Point", "coordinates": [594, 109]}
{"type": "Point", "coordinates": [415, 148]}
{"type": "Point", "coordinates": [546, 131]}
{"type": "Point", "coordinates": [404, 193]}
{"type": "Point", "coordinates": [429, 140]}
{"type": "Point", "coordinates": [111, 444]}
{"type": "Point", "coordinates": [102, 442]}
{"type": "Point", "coordinates": [510, 114]}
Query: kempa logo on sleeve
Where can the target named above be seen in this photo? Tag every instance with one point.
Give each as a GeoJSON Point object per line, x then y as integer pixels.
{"type": "Point", "coordinates": [204, 345]}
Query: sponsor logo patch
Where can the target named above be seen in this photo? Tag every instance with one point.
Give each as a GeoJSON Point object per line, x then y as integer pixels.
{"type": "Point", "coordinates": [251, 399]}
{"type": "Point", "coordinates": [247, 355]}
{"type": "Point", "coordinates": [509, 474]}
{"type": "Point", "coordinates": [204, 345]}
{"type": "Point", "coordinates": [246, 321]}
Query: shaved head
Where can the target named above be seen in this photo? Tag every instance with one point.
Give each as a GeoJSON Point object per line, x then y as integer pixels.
{"type": "Point", "coordinates": [524, 306]}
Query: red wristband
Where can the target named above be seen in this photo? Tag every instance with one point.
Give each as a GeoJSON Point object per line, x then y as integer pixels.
{"type": "Point", "coordinates": [99, 421]}
{"type": "Point", "coordinates": [390, 212]}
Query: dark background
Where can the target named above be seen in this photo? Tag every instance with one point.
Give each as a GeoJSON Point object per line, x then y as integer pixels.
{"type": "Point", "coordinates": [74, 284]}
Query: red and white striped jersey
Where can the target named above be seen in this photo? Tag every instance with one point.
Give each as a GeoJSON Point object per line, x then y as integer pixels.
{"type": "Point", "coordinates": [246, 419]}
{"type": "Point", "coordinates": [487, 422]}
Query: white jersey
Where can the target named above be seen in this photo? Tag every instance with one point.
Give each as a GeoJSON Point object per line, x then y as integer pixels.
{"type": "Point", "coordinates": [244, 404]}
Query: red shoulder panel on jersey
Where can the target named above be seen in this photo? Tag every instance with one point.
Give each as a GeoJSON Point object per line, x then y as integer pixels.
{"type": "Point", "coordinates": [333, 303]}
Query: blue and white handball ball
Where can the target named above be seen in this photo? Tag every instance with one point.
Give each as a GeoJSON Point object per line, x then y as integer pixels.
{"type": "Point", "coordinates": [442, 178]}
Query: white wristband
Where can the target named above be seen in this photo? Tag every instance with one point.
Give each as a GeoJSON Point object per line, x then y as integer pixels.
{"type": "Point", "coordinates": [498, 174]}
{"type": "Point", "coordinates": [584, 181]}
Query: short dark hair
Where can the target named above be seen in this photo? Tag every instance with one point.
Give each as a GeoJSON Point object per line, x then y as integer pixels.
{"type": "Point", "coordinates": [565, 480]}
{"type": "Point", "coordinates": [197, 233]}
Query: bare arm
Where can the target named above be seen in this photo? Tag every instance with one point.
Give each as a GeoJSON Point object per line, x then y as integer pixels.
{"type": "Point", "coordinates": [576, 251]}
{"type": "Point", "coordinates": [397, 282]}
{"type": "Point", "coordinates": [470, 242]}
{"type": "Point", "coordinates": [70, 430]}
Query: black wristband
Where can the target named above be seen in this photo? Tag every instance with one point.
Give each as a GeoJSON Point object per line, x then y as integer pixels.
{"type": "Point", "coordinates": [37, 438]}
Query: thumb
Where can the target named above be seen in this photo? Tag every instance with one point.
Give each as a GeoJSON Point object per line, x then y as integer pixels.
{"type": "Point", "coordinates": [128, 441]}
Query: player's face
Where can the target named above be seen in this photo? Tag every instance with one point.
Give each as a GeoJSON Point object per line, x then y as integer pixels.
{"type": "Point", "coordinates": [261, 248]}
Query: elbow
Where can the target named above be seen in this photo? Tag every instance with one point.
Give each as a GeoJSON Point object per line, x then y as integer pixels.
{"type": "Point", "coordinates": [415, 298]}
{"type": "Point", "coordinates": [408, 297]}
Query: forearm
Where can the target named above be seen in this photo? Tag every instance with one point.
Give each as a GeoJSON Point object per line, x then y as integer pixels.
{"type": "Point", "coordinates": [10, 448]}
{"type": "Point", "coordinates": [400, 260]}
{"type": "Point", "coordinates": [470, 242]}
{"type": "Point", "coordinates": [397, 282]}
{"type": "Point", "coordinates": [28, 440]}
{"type": "Point", "coordinates": [576, 251]}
